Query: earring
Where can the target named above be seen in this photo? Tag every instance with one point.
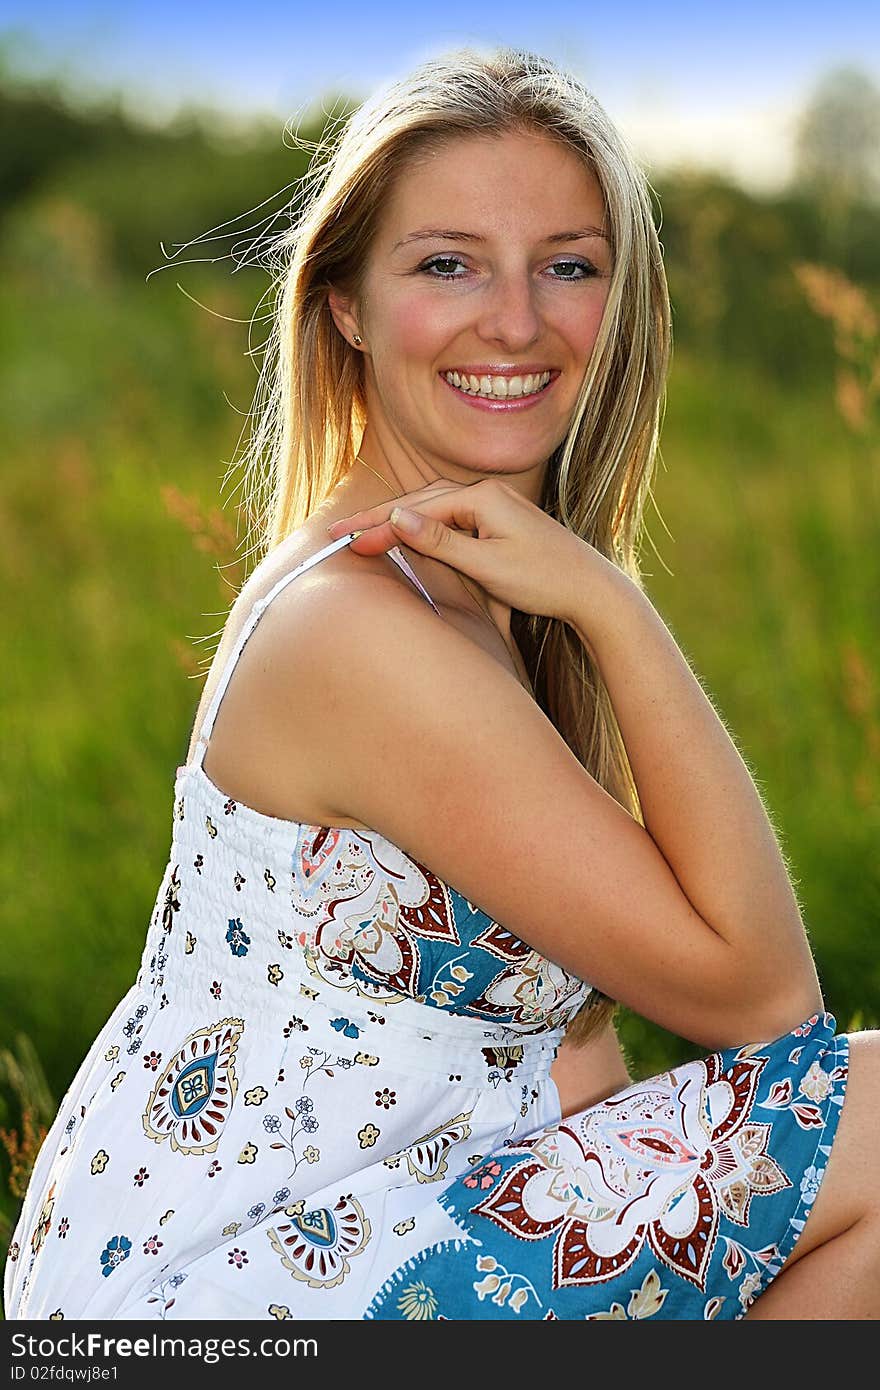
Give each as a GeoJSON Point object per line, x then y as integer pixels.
{"type": "Point", "coordinates": [357, 339]}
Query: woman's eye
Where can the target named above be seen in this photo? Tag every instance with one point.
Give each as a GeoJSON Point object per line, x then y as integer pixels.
{"type": "Point", "coordinates": [585, 266]}
{"type": "Point", "coordinates": [442, 261]}
{"type": "Point", "coordinates": [437, 266]}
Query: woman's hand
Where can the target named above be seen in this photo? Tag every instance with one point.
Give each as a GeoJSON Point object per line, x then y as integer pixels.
{"type": "Point", "coordinates": [489, 532]}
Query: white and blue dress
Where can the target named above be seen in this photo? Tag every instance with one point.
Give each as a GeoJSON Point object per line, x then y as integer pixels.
{"type": "Point", "coordinates": [327, 1094]}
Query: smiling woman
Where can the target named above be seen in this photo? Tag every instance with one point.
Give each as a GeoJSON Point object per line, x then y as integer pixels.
{"type": "Point", "coordinates": [425, 856]}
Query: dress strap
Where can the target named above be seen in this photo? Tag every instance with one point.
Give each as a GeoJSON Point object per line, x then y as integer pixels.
{"type": "Point", "coordinates": [257, 612]}
{"type": "Point", "coordinates": [395, 555]}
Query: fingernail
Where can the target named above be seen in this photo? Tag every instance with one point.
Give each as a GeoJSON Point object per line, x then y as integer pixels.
{"type": "Point", "coordinates": [404, 520]}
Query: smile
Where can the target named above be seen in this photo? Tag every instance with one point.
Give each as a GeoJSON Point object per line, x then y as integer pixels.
{"type": "Point", "coordinates": [498, 388]}
{"type": "Point", "coordinates": [497, 393]}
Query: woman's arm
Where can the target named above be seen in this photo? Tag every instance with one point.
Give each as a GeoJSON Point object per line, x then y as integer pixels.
{"type": "Point", "coordinates": [698, 800]}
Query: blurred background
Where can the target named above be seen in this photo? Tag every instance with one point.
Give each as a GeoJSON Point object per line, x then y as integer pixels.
{"type": "Point", "coordinates": [129, 130]}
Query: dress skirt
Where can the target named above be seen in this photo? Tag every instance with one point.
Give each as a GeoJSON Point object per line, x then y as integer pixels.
{"type": "Point", "coordinates": [679, 1197]}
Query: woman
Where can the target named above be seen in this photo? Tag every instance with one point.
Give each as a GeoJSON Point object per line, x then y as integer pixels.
{"type": "Point", "coordinates": [331, 1092]}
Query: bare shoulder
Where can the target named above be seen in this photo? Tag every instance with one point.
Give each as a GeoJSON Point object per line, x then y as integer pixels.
{"type": "Point", "coordinates": [370, 662]}
{"type": "Point", "coordinates": [280, 562]}
{"type": "Point", "coordinates": [270, 743]}
{"type": "Point", "coordinates": [357, 648]}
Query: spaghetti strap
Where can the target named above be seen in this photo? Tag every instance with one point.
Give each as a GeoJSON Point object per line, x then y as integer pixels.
{"type": "Point", "coordinates": [257, 612]}
{"type": "Point", "coordinates": [395, 555]}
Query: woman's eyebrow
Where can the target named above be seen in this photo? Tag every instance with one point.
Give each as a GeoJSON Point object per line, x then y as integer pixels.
{"type": "Point", "coordinates": [448, 234]}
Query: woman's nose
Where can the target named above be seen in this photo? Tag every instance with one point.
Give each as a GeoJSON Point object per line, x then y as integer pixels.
{"type": "Point", "coordinates": [510, 313]}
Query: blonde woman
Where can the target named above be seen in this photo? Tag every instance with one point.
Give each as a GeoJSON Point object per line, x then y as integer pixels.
{"type": "Point", "coordinates": [451, 790]}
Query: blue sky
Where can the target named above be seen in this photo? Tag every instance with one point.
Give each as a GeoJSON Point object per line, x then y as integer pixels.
{"type": "Point", "coordinates": [697, 83]}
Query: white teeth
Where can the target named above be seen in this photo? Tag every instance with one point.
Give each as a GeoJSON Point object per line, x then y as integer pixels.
{"type": "Point", "coordinates": [498, 388]}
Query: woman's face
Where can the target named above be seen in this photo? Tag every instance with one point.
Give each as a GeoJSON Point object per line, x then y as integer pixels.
{"type": "Point", "coordinates": [490, 261]}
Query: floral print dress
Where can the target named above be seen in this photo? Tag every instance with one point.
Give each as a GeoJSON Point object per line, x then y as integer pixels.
{"type": "Point", "coordinates": [327, 1095]}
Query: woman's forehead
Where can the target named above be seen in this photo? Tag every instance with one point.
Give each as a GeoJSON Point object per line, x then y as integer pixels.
{"type": "Point", "coordinates": [483, 184]}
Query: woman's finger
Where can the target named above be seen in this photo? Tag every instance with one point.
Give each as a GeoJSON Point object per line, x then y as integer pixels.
{"type": "Point", "coordinates": [444, 526]}
{"type": "Point", "coordinates": [487, 531]}
{"type": "Point", "coordinates": [374, 516]}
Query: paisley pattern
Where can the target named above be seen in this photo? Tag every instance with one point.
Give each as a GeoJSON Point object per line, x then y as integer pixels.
{"type": "Point", "coordinates": [190, 1103]}
{"type": "Point", "coordinates": [317, 1246]}
{"type": "Point", "coordinates": [530, 988]}
{"type": "Point", "coordinates": [658, 1163]}
{"type": "Point", "coordinates": [327, 1094]}
{"type": "Point", "coordinates": [426, 1159]}
{"type": "Point", "coordinates": [378, 923]}
{"type": "Point", "coordinates": [680, 1185]}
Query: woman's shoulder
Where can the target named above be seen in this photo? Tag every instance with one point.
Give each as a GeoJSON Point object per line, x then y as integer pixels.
{"type": "Point", "coordinates": [283, 559]}
{"type": "Point", "coordinates": [287, 556]}
{"type": "Point", "coordinates": [274, 732]}
{"type": "Point", "coordinates": [389, 692]}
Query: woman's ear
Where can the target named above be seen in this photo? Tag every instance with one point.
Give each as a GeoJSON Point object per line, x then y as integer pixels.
{"type": "Point", "coordinates": [344, 314]}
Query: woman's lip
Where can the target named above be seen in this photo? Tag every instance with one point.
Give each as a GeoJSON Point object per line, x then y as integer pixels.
{"type": "Point", "coordinates": [512, 402]}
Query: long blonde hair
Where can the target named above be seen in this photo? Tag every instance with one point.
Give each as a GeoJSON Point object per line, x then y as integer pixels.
{"type": "Point", "coordinates": [309, 409]}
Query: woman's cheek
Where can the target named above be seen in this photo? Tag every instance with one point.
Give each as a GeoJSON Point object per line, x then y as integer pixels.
{"type": "Point", "coordinates": [416, 332]}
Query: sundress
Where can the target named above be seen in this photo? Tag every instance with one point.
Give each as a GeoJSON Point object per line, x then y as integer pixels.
{"type": "Point", "coordinates": [327, 1095]}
